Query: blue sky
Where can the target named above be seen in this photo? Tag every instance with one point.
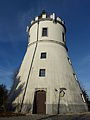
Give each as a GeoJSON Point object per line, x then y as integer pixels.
{"type": "Point", "coordinates": [15, 15]}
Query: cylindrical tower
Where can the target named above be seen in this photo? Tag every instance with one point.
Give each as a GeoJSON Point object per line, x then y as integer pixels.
{"type": "Point", "coordinates": [47, 82]}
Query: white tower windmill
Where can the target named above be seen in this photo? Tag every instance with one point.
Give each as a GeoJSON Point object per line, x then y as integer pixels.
{"type": "Point", "coordinates": [49, 82]}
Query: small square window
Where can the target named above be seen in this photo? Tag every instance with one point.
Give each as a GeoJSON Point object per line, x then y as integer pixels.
{"type": "Point", "coordinates": [44, 32]}
{"type": "Point", "coordinates": [42, 72]}
{"type": "Point", "coordinates": [43, 55]}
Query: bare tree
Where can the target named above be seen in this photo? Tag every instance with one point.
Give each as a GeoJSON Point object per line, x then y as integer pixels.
{"type": "Point", "coordinates": [14, 92]}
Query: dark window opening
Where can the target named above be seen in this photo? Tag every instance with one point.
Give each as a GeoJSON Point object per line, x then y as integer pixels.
{"type": "Point", "coordinates": [75, 76]}
{"type": "Point", "coordinates": [69, 60]}
{"type": "Point", "coordinates": [42, 72]}
{"type": "Point", "coordinates": [44, 32]}
{"type": "Point", "coordinates": [43, 55]}
{"type": "Point", "coordinates": [63, 37]}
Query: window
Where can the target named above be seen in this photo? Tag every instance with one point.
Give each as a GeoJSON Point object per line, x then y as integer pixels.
{"type": "Point", "coordinates": [63, 37]}
{"type": "Point", "coordinates": [42, 72]}
{"type": "Point", "coordinates": [44, 32]}
{"type": "Point", "coordinates": [75, 76]}
{"type": "Point", "coordinates": [43, 55]}
{"type": "Point", "coordinates": [83, 97]}
{"type": "Point", "coordinates": [69, 60]}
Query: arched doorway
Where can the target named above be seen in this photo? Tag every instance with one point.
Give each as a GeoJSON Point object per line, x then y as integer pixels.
{"type": "Point", "coordinates": [40, 102]}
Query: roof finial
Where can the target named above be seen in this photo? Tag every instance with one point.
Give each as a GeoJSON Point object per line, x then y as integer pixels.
{"type": "Point", "coordinates": [43, 12]}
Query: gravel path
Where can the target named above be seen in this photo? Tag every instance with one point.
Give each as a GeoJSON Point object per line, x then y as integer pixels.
{"type": "Point", "coordinates": [85, 116]}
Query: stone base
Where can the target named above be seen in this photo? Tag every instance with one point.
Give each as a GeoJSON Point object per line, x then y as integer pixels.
{"type": "Point", "coordinates": [53, 108]}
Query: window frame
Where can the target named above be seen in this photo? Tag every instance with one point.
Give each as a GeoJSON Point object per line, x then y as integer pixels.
{"type": "Point", "coordinates": [43, 55]}
{"type": "Point", "coordinates": [42, 72]}
{"type": "Point", "coordinates": [44, 34]}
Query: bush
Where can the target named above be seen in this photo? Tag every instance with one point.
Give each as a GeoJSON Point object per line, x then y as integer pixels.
{"type": "Point", "coordinates": [3, 97]}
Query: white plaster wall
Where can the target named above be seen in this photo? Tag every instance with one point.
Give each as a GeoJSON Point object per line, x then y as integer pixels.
{"type": "Point", "coordinates": [59, 72]}
{"type": "Point", "coordinates": [54, 31]}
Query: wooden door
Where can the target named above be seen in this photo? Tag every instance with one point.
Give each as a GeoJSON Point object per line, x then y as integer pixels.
{"type": "Point", "coordinates": [41, 102]}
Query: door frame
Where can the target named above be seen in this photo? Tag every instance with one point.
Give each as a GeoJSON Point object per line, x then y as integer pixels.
{"type": "Point", "coordinates": [40, 89]}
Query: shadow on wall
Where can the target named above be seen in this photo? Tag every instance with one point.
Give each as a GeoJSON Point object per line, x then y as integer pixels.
{"type": "Point", "coordinates": [14, 93]}
{"type": "Point", "coordinates": [34, 104]}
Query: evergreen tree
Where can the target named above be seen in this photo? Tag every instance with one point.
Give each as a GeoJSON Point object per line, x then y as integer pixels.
{"type": "Point", "coordinates": [3, 97]}
{"type": "Point", "coordinates": [86, 98]}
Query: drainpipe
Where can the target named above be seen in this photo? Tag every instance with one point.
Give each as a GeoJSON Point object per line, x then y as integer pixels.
{"type": "Point", "coordinates": [30, 67]}
{"type": "Point", "coordinates": [60, 91]}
